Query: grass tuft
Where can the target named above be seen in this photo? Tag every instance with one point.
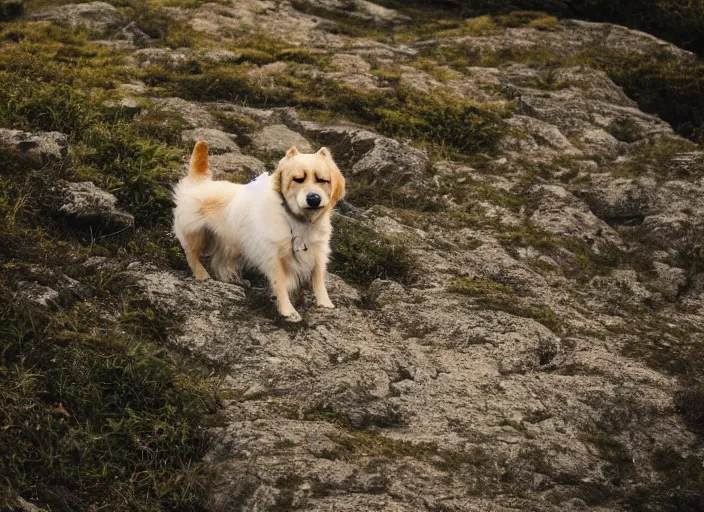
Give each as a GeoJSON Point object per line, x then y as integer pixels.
{"type": "Point", "coordinates": [94, 417]}
{"type": "Point", "coordinates": [360, 255]}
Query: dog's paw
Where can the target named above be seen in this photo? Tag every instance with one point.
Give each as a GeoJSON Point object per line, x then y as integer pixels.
{"type": "Point", "coordinates": [293, 316]}
{"type": "Point", "coordinates": [326, 304]}
{"type": "Point", "coordinates": [202, 276]}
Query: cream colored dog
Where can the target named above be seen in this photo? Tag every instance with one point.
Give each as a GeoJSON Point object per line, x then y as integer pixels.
{"type": "Point", "coordinates": [278, 224]}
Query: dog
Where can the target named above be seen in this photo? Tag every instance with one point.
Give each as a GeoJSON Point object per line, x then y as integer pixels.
{"type": "Point", "coordinates": [278, 224]}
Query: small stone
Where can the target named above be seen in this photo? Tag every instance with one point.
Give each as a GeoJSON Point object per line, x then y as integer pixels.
{"type": "Point", "coordinates": [41, 295]}
{"type": "Point", "coordinates": [41, 146]}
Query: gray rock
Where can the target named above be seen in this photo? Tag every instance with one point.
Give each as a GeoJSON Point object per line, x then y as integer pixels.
{"type": "Point", "coordinates": [537, 138]}
{"type": "Point", "coordinates": [670, 280]}
{"type": "Point", "coordinates": [218, 141]}
{"type": "Point", "coordinates": [84, 204]}
{"type": "Point", "coordinates": [43, 296]}
{"type": "Point", "coordinates": [39, 146]}
{"type": "Point", "coordinates": [688, 164]}
{"type": "Point", "coordinates": [620, 200]}
{"type": "Point", "coordinates": [22, 505]}
{"type": "Point", "coordinates": [350, 64]}
{"type": "Point", "coordinates": [359, 9]}
{"type": "Point", "coordinates": [162, 56]}
{"type": "Point", "coordinates": [236, 166]}
{"type": "Point", "coordinates": [97, 17]}
{"type": "Point", "coordinates": [561, 213]}
{"type": "Point", "coordinates": [274, 141]}
{"type": "Point", "coordinates": [193, 115]}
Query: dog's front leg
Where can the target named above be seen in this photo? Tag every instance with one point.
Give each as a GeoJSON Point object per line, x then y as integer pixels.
{"type": "Point", "coordinates": [319, 289]}
{"type": "Point", "coordinates": [279, 285]}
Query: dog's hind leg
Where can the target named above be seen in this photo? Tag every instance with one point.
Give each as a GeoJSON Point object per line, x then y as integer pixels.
{"type": "Point", "coordinates": [193, 246]}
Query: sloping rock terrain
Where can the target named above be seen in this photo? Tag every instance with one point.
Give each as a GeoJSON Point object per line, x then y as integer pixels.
{"type": "Point", "coordinates": [519, 319]}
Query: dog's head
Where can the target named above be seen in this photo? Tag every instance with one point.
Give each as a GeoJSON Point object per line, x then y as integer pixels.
{"type": "Point", "coordinates": [309, 183]}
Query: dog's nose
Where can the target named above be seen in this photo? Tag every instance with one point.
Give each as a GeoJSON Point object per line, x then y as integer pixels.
{"type": "Point", "coordinates": [313, 200]}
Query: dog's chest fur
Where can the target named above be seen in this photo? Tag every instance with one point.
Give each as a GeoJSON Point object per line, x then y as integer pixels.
{"type": "Point", "coordinates": [306, 240]}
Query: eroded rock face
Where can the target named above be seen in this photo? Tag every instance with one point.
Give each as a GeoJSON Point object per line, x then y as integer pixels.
{"type": "Point", "coordinates": [527, 364]}
{"type": "Point", "coordinates": [192, 114]}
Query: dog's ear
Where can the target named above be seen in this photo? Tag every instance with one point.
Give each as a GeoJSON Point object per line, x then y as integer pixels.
{"type": "Point", "coordinates": [337, 180]}
{"type": "Point", "coordinates": [292, 152]}
{"type": "Point", "coordinates": [276, 179]}
{"type": "Point", "coordinates": [324, 152]}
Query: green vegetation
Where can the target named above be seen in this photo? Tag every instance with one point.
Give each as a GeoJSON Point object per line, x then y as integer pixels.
{"type": "Point", "coordinates": [480, 287]}
{"type": "Point", "coordinates": [96, 413]}
{"type": "Point", "coordinates": [93, 416]}
{"type": "Point", "coordinates": [369, 443]}
{"type": "Point", "coordinates": [625, 130]}
{"type": "Point", "coordinates": [361, 255]}
{"type": "Point", "coordinates": [437, 119]}
{"type": "Point", "coordinates": [576, 257]}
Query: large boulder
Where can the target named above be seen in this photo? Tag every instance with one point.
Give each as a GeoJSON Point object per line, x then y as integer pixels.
{"type": "Point", "coordinates": [559, 212]}
{"type": "Point", "coordinates": [371, 157]}
{"type": "Point", "coordinates": [236, 167]}
{"type": "Point", "coordinates": [356, 9]}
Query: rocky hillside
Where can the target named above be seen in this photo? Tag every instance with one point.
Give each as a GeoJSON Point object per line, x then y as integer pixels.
{"type": "Point", "coordinates": [518, 267]}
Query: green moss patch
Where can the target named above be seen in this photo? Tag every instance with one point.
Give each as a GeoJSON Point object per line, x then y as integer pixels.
{"type": "Point", "coordinates": [480, 287]}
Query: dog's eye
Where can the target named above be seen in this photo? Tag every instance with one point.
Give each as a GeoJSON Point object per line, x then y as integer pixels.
{"type": "Point", "coordinates": [299, 180]}
{"type": "Point", "coordinates": [321, 180]}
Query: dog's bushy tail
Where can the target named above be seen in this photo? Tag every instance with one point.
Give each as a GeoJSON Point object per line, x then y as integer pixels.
{"type": "Point", "coordinates": [198, 168]}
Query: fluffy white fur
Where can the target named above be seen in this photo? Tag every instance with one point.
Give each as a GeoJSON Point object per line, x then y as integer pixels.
{"type": "Point", "coordinates": [267, 224]}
